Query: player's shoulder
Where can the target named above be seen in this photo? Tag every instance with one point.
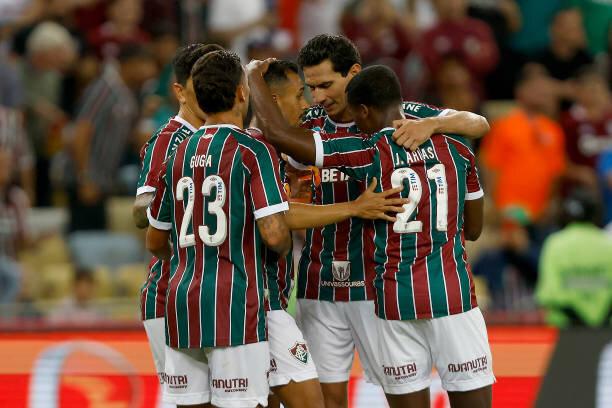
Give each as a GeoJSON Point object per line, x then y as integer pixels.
{"type": "Point", "coordinates": [419, 110]}
{"type": "Point", "coordinates": [457, 143]}
{"type": "Point", "coordinates": [314, 116]}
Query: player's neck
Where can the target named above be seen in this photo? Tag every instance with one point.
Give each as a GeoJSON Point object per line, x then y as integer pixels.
{"type": "Point", "coordinates": [187, 114]}
{"type": "Point", "coordinates": [392, 114]}
{"type": "Point", "coordinates": [225, 118]}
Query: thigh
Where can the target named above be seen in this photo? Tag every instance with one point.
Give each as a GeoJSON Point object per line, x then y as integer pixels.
{"type": "Point", "coordinates": [406, 361]}
{"type": "Point", "coordinates": [239, 375]}
{"type": "Point", "coordinates": [290, 358]}
{"type": "Point", "coordinates": [364, 323]}
{"type": "Point", "coordinates": [461, 352]}
{"type": "Point", "coordinates": [156, 334]}
{"type": "Point", "coordinates": [327, 331]}
{"type": "Point", "coordinates": [186, 377]}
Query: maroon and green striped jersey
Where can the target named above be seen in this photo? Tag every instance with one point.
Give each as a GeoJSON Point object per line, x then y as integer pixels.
{"type": "Point", "coordinates": [421, 265]}
{"type": "Point", "coordinates": [279, 270]}
{"type": "Point", "coordinates": [214, 188]}
{"type": "Point", "coordinates": [152, 156]}
{"type": "Point", "coordinates": [337, 260]}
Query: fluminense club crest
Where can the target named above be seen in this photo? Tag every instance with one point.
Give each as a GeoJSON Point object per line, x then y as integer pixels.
{"type": "Point", "coordinates": [300, 352]}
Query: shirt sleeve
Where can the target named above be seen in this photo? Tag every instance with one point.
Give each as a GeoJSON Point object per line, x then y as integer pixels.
{"type": "Point", "coordinates": [267, 191]}
{"type": "Point", "coordinates": [159, 212]}
{"type": "Point", "coordinates": [353, 154]}
{"type": "Point", "coordinates": [152, 156]}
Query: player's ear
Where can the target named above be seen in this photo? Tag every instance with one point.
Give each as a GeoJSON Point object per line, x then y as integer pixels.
{"type": "Point", "coordinates": [179, 90]}
{"type": "Point", "coordinates": [355, 69]}
{"type": "Point", "coordinates": [363, 111]}
{"type": "Point", "coordinates": [241, 93]}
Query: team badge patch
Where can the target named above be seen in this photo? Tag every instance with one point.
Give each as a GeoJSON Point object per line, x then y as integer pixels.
{"type": "Point", "coordinates": [300, 352]}
{"type": "Point", "coordinates": [341, 270]}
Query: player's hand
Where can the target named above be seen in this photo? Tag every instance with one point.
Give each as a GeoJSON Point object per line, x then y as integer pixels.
{"type": "Point", "coordinates": [375, 206]}
{"type": "Point", "coordinates": [411, 133]}
{"type": "Point", "coordinates": [258, 67]}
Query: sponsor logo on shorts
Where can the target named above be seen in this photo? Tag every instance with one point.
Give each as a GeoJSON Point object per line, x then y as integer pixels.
{"type": "Point", "coordinates": [400, 374]}
{"type": "Point", "coordinates": [300, 352]}
{"type": "Point", "coordinates": [173, 381]}
{"type": "Point", "coordinates": [231, 384]}
{"type": "Point", "coordinates": [273, 366]}
{"type": "Point", "coordinates": [477, 365]}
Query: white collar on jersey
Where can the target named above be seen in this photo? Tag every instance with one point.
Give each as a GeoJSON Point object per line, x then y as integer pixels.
{"type": "Point", "coordinates": [347, 124]}
{"type": "Point", "coordinates": [220, 125]}
{"type": "Point", "coordinates": [185, 123]}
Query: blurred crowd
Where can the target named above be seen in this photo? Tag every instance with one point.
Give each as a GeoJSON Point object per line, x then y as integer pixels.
{"type": "Point", "coordinates": [84, 83]}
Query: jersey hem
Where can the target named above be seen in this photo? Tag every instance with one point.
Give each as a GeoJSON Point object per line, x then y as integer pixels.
{"type": "Point", "coordinates": [144, 190]}
{"type": "Point", "coordinates": [475, 195]}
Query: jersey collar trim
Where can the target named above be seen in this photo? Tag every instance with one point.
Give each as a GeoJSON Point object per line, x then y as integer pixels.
{"type": "Point", "coordinates": [220, 125]}
{"type": "Point", "coordinates": [346, 124]}
{"type": "Point", "coordinates": [185, 123]}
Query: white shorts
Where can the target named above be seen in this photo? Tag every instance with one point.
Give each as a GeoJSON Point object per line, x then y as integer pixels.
{"type": "Point", "coordinates": [290, 359]}
{"type": "Point", "coordinates": [457, 346]}
{"type": "Point", "coordinates": [156, 333]}
{"type": "Point", "coordinates": [225, 376]}
{"type": "Point", "coordinates": [333, 331]}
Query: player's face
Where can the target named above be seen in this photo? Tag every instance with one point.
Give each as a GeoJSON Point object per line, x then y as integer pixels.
{"type": "Point", "coordinates": [188, 100]}
{"type": "Point", "coordinates": [328, 86]}
{"type": "Point", "coordinates": [290, 98]}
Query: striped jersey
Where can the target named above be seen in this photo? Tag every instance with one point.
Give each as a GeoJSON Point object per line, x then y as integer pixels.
{"type": "Point", "coordinates": [214, 188]}
{"type": "Point", "coordinates": [279, 270]}
{"type": "Point", "coordinates": [337, 260]}
{"type": "Point", "coordinates": [421, 265]}
{"type": "Point", "coordinates": [152, 156]}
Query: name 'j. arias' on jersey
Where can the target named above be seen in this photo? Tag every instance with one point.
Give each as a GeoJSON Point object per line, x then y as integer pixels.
{"type": "Point", "coordinates": [215, 187]}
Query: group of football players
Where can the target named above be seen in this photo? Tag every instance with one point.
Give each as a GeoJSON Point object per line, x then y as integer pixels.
{"type": "Point", "coordinates": [392, 193]}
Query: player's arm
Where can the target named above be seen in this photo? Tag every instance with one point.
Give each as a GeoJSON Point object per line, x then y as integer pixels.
{"type": "Point", "coordinates": [369, 205]}
{"type": "Point", "coordinates": [139, 209]}
{"type": "Point", "coordinates": [275, 233]}
{"type": "Point", "coordinates": [411, 133]}
{"type": "Point", "coordinates": [296, 142]}
{"type": "Point", "coordinates": [473, 215]}
{"type": "Point", "coordinates": [158, 243]}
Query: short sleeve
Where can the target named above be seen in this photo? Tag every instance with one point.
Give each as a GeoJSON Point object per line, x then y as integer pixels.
{"type": "Point", "coordinates": [267, 190]}
{"type": "Point", "coordinates": [152, 156]}
{"type": "Point", "coordinates": [352, 153]}
{"type": "Point", "coordinates": [160, 212]}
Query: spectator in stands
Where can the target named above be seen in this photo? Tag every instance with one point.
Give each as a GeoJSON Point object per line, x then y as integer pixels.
{"type": "Point", "coordinates": [597, 15]}
{"type": "Point", "coordinates": [50, 51]}
{"type": "Point", "coordinates": [102, 131]}
{"type": "Point", "coordinates": [78, 308]}
{"type": "Point", "coordinates": [575, 284]}
{"type": "Point", "coordinates": [604, 173]}
{"type": "Point", "coordinates": [523, 157]}
{"type": "Point", "coordinates": [453, 87]}
{"type": "Point", "coordinates": [378, 30]}
{"type": "Point", "coordinates": [457, 35]}
{"type": "Point", "coordinates": [567, 51]}
{"type": "Point", "coordinates": [588, 126]}
{"type": "Point", "coordinates": [122, 27]}
{"type": "Point", "coordinates": [535, 15]}
{"type": "Point", "coordinates": [14, 207]}
{"type": "Point", "coordinates": [14, 139]}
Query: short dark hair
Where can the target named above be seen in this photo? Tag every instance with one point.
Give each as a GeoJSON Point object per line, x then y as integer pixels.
{"type": "Point", "coordinates": [186, 57]}
{"type": "Point", "coordinates": [216, 76]}
{"type": "Point", "coordinates": [278, 70]}
{"type": "Point", "coordinates": [338, 49]}
{"type": "Point", "coordinates": [581, 205]}
{"type": "Point", "coordinates": [376, 86]}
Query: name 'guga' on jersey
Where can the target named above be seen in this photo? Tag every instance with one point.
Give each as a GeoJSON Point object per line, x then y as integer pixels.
{"type": "Point", "coordinates": [215, 187]}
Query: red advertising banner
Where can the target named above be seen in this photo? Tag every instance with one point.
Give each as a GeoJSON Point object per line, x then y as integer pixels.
{"type": "Point", "coordinates": [114, 369]}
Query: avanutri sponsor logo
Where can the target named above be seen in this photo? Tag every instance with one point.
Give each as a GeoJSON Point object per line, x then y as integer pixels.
{"type": "Point", "coordinates": [173, 381]}
{"type": "Point", "coordinates": [231, 384]}
{"type": "Point", "coordinates": [400, 372]}
{"type": "Point", "coordinates": [478, 364]}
